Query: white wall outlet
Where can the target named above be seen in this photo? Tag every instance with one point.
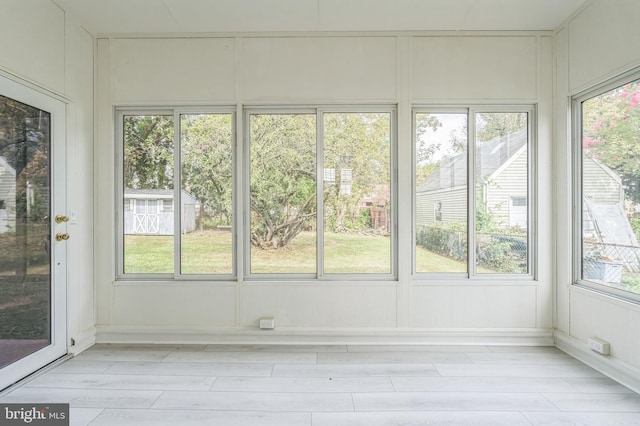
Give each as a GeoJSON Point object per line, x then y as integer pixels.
{"type": "Point", "coordinates": [267, 323]}
{"type": "Point", "coordinates": [598, 345]}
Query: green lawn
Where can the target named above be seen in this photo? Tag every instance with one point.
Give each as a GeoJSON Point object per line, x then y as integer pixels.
{"type": "Point", "coordinates": [207, 252]}
{"type": "Point", "coordinates": [24, 307]}
{"type": "Point", "coordinates": [210, 253]}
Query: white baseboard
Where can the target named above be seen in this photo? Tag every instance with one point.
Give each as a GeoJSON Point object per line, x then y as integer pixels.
{"type": "Point", "coordinates": [82, 341]}
{"type": "Point", "coordinates": [618, 370]}
{"type": "Point", "coordinates": [168, 335]}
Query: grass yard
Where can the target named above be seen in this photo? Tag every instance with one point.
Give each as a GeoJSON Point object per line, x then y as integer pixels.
{"type": "Point", "coordinates": [207, 252]}
{"type": "Point", "coordinates": [427, 261]}
{"type": "Point", "coordinates": [210, 253]}
{"type": "Point", "coordinates": [24, 307]}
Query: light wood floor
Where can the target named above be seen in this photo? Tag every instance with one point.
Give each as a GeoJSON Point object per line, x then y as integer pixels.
{"type": "Point", "coordinates": [257, 385]}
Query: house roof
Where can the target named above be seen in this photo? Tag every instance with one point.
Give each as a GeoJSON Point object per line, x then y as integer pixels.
{"type": "Point", "coordinates": [145, 193]}
{"type": "Point", "coordinates": [159, 194]}
{"type": "Point", "coordinates": [490, 156]}
{"type": "Point", "coordinates": [5, 165]}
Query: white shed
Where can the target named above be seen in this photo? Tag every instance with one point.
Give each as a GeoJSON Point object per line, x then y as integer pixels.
{"type": "Point", "coordinates": [151, 211]}
{"type": "Point", "coordinates": [7, 196]}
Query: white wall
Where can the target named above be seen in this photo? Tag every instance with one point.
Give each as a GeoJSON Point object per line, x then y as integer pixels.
{"type": "Point", "coordinates": [600, 42]}
{"type": "Point", "coordinates": [43, 47]}
{"type": "Point", "coordinates": [402, 70]}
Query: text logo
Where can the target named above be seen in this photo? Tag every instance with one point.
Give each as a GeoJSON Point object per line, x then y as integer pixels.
{"type": "Point", "coordinates": [34, 414]}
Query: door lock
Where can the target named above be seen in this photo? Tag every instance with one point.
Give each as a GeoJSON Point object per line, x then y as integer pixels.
{"type": "Point", "coordinates": [62, 237]}
{"type": "Point", "coordinates": [61, 218]}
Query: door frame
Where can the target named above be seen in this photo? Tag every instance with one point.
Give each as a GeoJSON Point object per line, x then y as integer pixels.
{"type": "Point", "coordinates": [31, 95]}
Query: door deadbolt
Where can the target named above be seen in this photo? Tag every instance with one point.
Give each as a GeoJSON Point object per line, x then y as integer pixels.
{"type": "Point", "coordinates": [62, 237]}
{"type": "Point", "coordinates": [61, 218]}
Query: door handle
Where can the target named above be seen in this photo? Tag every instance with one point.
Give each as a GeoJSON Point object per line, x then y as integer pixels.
{"type": "Point", "coordinates": [61, 218]}
{"type": "Point", "coordinates": [62, 237]}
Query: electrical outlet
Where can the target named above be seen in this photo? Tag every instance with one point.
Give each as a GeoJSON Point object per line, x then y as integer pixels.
{"type": "Point", "coordinates": [267, 323]}
{"type": "Point", "coordinates": [598, 345]}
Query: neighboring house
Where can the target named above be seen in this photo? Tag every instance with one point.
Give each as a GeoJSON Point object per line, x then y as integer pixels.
{"type": "Point", "coordinates": [600, 184]}
{"type": "Point", "coordinates": [378, 202]}
{"type": "Point", "coordinates": [442, 197]}
{"type": "Point", "coordinates": [151, 211]}
{"type": "Point", "coordinates": [7, 196]}
{"type": "Point", "coordinates": [607, 231]}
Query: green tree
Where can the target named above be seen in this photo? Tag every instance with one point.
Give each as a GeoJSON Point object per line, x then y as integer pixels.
{"type": "Point", "coordinates": [492, 125]}
{"type": "Point", "coordinates": [282, 177]}
{"type": "Point", "coordinates": [425, 150]}
{"type": "Point", "coordinates": [357, 152]}
{"type": "Point", "coordinates": [24, 145]}
{"type": "Point", "coordinates": [148, 151]}
{"type": "Point", "coordinates": [611, 134]}
{"type": "Point", "coordinates": [207, 162]}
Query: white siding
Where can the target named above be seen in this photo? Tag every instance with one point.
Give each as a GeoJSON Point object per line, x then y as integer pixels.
{"type": "Point", "coordinates": [599, 185]}
{"type": "Point", "coordinates": [454, 206]}
{"type": "Point", "coordinates": [8, 195]}
{"type": "Point", "coordinates": [510, 182]}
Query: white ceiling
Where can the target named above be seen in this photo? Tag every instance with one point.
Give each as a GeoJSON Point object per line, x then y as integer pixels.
{"type": "Point", "coordinates": [189, 16]}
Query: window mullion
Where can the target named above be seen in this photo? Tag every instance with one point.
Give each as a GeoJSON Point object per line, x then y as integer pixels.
{"type": "Point", "coordinates": [177, 202]}
{"type": "Point", "coordinates": [471, 193]}
{"type": "Point", "coordinates": [320, 194]}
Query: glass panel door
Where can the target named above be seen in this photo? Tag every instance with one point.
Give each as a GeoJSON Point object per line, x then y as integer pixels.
{"type": "Point", "coordinates": [29, 310]}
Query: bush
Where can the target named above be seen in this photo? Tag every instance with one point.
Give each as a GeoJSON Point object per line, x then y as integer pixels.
{"type": "Point", "coordinates": [447, 241]}
{"type": "Point", "coordinates": [635, 224]}
{"type": "Point", "coordinates": [502, 253]}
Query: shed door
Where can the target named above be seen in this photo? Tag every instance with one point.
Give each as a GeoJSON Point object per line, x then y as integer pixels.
{"type": "Point", "coordinates": [147, 217]}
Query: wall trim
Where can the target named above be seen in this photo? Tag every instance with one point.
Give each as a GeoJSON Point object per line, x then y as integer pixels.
{"type": "Point", "coordinates": [610, 366]}
{"type": "Point", "coordinates": [82, 341]}
{"type": "Point", "coordinates": [252, 335]}
{"type": "Point", "coordinates": [32, 84]}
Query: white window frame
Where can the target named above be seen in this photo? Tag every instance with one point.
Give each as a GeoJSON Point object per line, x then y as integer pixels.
{"type": "Point", "coordinates": [471, 111]}
{"type": "Point", "coordinates": [176, 113]}
{"type": "Point", "coordinates": [319, 111]}
{"type": "Point", "coordinates": [577, 174]}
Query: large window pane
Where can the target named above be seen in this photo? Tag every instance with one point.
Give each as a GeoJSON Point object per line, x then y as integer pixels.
{"type": "Point", "coordinates": [148, 191]}
{"type": "Point", "coordinates": [501, 193]}
{"type": "Point", "coordinates": [283, 193]}
{"type": "Point", "coordinates": [206, 209]}
{"type": "Point", "coordinates": [357, 192]}
{"type": "Point", "coordinates": [25, 215]}
{"type": "Point", "coordinates": [441, 192]}
{"type": "Point", "coordinates": [611, 188]}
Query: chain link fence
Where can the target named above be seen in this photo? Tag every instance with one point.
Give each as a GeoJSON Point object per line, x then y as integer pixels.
{"type": "Point", "coordinates": [612, 264]}
{"type": "Point", "coordinates": [496, 252]}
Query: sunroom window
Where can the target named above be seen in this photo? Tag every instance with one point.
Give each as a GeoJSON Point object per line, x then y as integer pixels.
{"type": "Point", "coordinates": [486, 230]}
{"type": "Point", "coordinates": [608, 188]}
{"type": "Point", "coordinates": [317, 194]}
{"type": "Point", "coordinates": [177, 180]}
{"type": "Point", "coordinates": [320, 195]}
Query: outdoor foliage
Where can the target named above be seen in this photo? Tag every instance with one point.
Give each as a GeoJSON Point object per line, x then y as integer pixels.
{"type": "Point", "coordinates": [493, 125]}
{"type": "Point", "coordinates": [611, 134]}
{"type": "Point", "coordinates": [446, 239]}
{"type": "Point", "coordinates": [148, 152]}
{"type": "Point", "coordinates": [283, 177]}
{"type": "Point", "coordinates": [24, 145]}
{"type": "Point", "coordinates": [357, 150]}
{"type": "Point", "coordinates": [207, 165]}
